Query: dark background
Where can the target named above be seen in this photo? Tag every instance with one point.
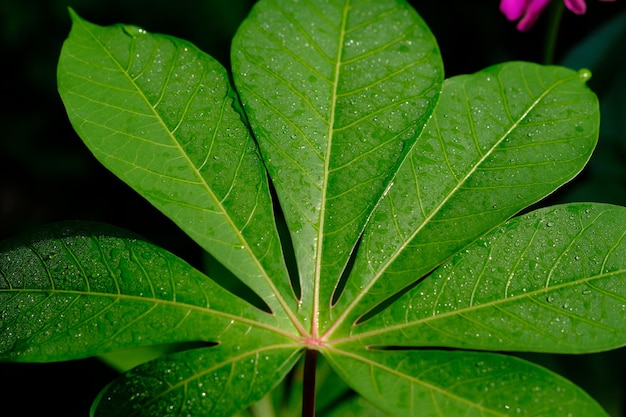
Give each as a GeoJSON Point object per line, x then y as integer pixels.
{"type": "Point", "coordinates": [46, 173]}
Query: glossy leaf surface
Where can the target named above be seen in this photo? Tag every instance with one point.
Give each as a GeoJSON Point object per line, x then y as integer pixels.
{"type": "Point", "coordinates": [216, 381]}
{"type": "Point", "coordinates": [337, 93]}
{"type": "Point", "coordinates": [162, 116]}
{"type": "Point", "coordinates": [398, 191]}
{"type": "Point", "coordinates": [80, 289]}
{"type": "Point", "coordinates": [499, 140]}
{"type": "Point", "coordinates": [549, 281]}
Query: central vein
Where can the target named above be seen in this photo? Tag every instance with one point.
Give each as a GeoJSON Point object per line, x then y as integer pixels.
{"type": "Point", "coordinates": [329, 140]}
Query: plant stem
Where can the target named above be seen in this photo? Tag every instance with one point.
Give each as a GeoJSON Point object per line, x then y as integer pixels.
{"type": "Point", "coordinates": [308, 392]}
{"type": "Point", "coordinates": [553, 31]}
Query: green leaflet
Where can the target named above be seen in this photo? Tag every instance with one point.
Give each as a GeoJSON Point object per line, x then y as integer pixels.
{"type": "Point", "coordinates": [439, 383]}
{"type": "Point", "coordinates": [549, 281]}
{"type": "Point", "coordinates": [217, 381]}
{"type": "Point", "coordinates": [337, 93]}
{"type": "Point", "coordinates": [499, 140]}
{"type": "Point", "coordinates": [74, 290]}
{"type": "Point", "coordinates": [162, 116]}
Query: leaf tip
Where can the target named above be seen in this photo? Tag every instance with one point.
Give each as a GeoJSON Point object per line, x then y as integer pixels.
{"type": "Point", "coordinates": [73, 15]}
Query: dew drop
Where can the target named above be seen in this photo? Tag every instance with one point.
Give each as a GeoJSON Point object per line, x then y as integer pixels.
{"type": "Point", "coordinates": [134, 30]}
{"type": "Point", "coordinates": [584, 74]}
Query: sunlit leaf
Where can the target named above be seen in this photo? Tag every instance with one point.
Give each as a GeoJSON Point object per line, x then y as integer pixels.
{"type": "Point", "coordinates": [336, 93]}
{"type": "Point", "coordinates": [398, 191]}
{"type": "Point", "coordinates": [499, 140]}
{"type": "Point", "coordinates": [162, 116]}
{"type": "Point", "coordinates": [549, 281]}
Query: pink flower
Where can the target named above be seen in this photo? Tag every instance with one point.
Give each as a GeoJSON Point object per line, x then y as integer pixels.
{"type": "Point", "coordinates": [528, 11]}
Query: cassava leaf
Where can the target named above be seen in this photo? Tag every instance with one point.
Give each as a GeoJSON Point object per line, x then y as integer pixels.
{"type": "Point", "coordinates": [435, 383]}
{"type": "Point", "coordinates": [377, 195]}
{"type": "Point", "coordinates": [498, 141]}
{"type": "Point", "coordinates": [75, 289]}
{"type": "Point", "coordinates": [161, 115]}
{"type": "Point", "coordinates": [336, 92]}
{"type": "Point", "coordinates": [549, 281]}
{"type": "Point", "coordinates": [216, 381]}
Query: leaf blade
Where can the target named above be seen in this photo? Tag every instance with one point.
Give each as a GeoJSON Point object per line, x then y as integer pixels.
{"type": "Point", "coordinates": [335, 97]}
{"type": "Point", "coordinates": [474, 167]}
{"type": "Point", "coordinates": [219, 380]}
{"type": "Point", "coordinates": [162, 116]}
{"type": "Point", "coordinates": [549, 281]}
{"type": "Point", "coordinates": [73, 290]}
{"type": "Point", "coordinates": [435, 383]}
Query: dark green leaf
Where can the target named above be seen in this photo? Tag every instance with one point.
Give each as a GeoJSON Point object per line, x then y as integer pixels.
{"type": "Point", "coordinates": [216, 382]}
{"type": "Point", "coordinates": [356, 407]}
{"type": "Point", "coordinates": [74, 290]}
{"type": "Point", "coordinates": [438, 383]}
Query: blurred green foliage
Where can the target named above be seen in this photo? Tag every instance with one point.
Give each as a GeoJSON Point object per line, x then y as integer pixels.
{"type": "Point", "coordinates": [46, 173]}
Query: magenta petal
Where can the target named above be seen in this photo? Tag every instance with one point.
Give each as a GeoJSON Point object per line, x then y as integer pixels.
{"type": "Point", "coordinates": [532, 14]}
{"type": "Point", "coordinates": [576, 6]}
{"type": "Point", "coordinates": [513, 9]}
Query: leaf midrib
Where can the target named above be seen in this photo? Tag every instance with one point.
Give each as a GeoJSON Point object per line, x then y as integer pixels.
{"type": "Point", "coordinates": [331, 123]}
{"type": "Point", "coordinates": [153, 301]}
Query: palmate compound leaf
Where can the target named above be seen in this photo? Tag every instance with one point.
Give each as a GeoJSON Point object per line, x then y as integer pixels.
{"type": "Point", "coordinates": [336, 92]}
{"type": "Point", "coordinates": [73, 290]}
{"type": "Point", "coordinates": [535, 126]}
{"type": "Point", "coordinates": [162, 116]}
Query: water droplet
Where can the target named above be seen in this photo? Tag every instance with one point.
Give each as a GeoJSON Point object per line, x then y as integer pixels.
{"type": "Point", "coordinates": [134, 30]}
{"type": "Point", "coordinates": [584, 74]}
